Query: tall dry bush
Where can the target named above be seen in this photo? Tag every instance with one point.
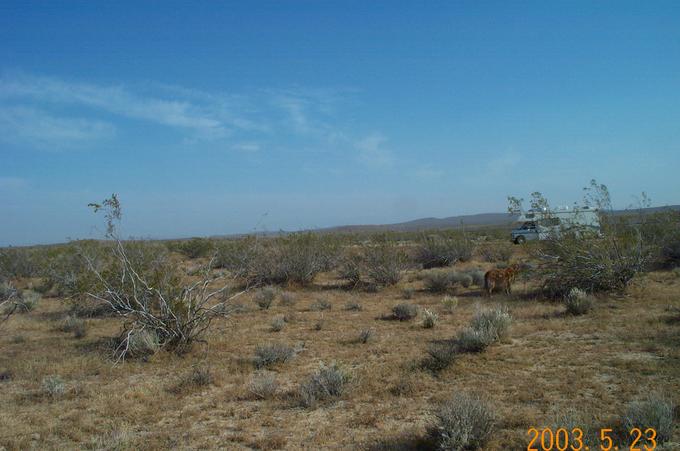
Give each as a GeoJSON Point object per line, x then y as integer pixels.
{"type": "Point", "coordinates": [177, 315]}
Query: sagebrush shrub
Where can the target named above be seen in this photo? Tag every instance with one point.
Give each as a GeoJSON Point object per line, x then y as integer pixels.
{"type": "Point", "coordinates": [383, 261]}
{"type": "Point", "coordinates": [263, 385]}
{"type": "Point", "coordinates": [30, 299]}
{"type": "Point", "coordinates": [264, 298]}
{"type": "Point", "coordinates": [495, 252]}
{"type": "Point", "coordinates": [365, 335]}
{"type": "Point", "coordinates": [53, 386]}
{"type": "Point", "coordinates": [195, 247]}
{"type": "Point", "coordinates": [449, 303]}
{"type": "Point", "coordinates": [278, 323]}
{"type": "Point", "coordinates": [474, 340]}
{"type": "Point", "coordinates": [404, 311]}
{"type": "Point", "coordinates": [321, 304]}
{"type": "Point", "coordinates": [651, 412]}
{"type": "Point", "coordinates": [477, 277]}
{"type": "Point", "coordinates": [271, 354]}
{"type": "Point", "coordinates": [353, 305]}
{"type": "Point", "coordinates": [429, 319]}
{"type": "Point", "coordinates": [74, 325]}
{"type": "Point", "coordinates": [407, 293]}
{"type": "Point", "coordinates": [287, 299]}
{"type": "Point", "coordinates": [439, 356]}
{"type": "Point", "coordinates": [142, 343]}
{"type": "Point", "coordinates": [599, 264]}
{"type": "Point", "coordinates": [578, 302]}
{"type": "Point", "coordinates": [436, 251]}
{"type": "Point", "coordinates": [495, 321]}
{"type": "Point", "coordinates": [437, 280]}
{"type": "Point", "coordinates": [327, 383]}
{"type": "Point", "coordinates": [463, 422]}
{"type": "Point", "coordinates": [199, 376]}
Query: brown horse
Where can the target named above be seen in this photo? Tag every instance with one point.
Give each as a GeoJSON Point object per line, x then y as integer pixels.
{"type": "Point", "coordinates": [501, 278]}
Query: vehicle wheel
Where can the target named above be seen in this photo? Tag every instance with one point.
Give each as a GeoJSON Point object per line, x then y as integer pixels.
{"type": "Point", "coordinates": [520, 240]}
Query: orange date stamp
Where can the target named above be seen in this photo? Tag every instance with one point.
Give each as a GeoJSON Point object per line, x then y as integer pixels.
{"type": "Point", "coordinates": [562, 439]}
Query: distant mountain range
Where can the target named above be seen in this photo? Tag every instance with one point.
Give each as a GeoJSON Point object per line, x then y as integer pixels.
{"type": "Point", "coordinates": [455, 222]}
{"type": "Point", "coordinates": [451, 222]}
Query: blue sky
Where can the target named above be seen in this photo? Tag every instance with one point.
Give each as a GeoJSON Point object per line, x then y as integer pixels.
{"type": "Point", "coordinates": [221, 117]}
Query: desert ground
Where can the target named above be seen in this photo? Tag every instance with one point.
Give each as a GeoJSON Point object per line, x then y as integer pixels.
{"type": "Point", "coordinates": [549, 365]}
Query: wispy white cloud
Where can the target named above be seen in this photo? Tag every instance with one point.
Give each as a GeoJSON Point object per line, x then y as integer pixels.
{"type": "Point", "coordinates": [40, 111]}
{"type": "Point", "coordinates": [40, 129]}
{"type": "Point", "coordinates": [372, 151]}
{"type": "Point", "coordinates": [112, 99]}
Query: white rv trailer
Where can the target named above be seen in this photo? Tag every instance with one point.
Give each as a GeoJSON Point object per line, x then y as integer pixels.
{"type": "Point", "coordinates": [544, 224]}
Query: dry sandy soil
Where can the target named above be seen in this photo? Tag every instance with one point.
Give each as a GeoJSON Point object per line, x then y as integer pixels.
{"type": "Point", "coordinates": [627, 347]}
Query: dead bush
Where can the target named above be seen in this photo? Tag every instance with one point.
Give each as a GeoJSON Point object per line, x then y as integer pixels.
{"type": "Point", "coordinates": [154, 302]}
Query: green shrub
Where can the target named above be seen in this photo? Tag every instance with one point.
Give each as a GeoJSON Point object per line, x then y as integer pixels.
{"type": "Point", "coordinates": [30, 300]}
{"type": "Point", "coordinates": [495, 252]}
{"type": "Point", "coordinates": [384, 261]}
{"type": "Point", "coordinates": [436, 251]}
{"type": "Point", "coordinates": [195, 247]}
{"type": "Point", "coordinates": [592, 265]}
{"type": "Point", "coordinates": [327, 383]}
{"type": "Point", "coordinates": [463, 422]}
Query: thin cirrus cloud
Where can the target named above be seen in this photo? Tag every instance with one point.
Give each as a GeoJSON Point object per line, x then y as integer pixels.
{"type": "Point", "coordinates": [38, 111]}
{"type": "Point", "coordinates": [372, 150]}
{"type": "Point", "coordinates": [39, 129]}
